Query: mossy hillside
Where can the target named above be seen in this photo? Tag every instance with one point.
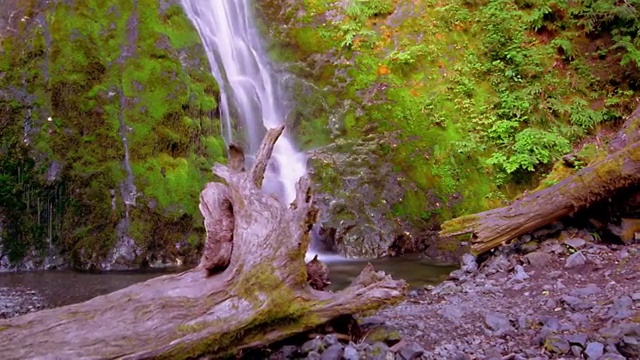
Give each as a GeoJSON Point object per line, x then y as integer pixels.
{"type": "Point", "coordinates": [483, 96]}
{"type": "Point", "coordinates": [87, 68]}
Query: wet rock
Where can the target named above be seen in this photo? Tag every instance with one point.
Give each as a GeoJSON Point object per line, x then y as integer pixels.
{"type": "Point", "coordinates": [19, 301]}
{"type": "Point", "coordinates": [356, 189]}
{"type": "Point", "coordinates": [575, 259]}
{"type": "Point", "coordinates": [594, 350]}
{"type": "Point", "coordinates": [538, 259]}
{"type": "Point", "coordinates": [333, 352]}
{"type": "Point", "coordinates": [313, 356]}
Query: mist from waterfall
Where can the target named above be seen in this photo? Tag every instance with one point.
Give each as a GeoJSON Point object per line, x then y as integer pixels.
{"type": "Point", "coordinates": [252, 99]}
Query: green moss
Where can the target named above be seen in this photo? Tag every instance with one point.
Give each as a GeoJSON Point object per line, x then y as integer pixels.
{"type": "Point", "coordinates": [99, 74]}
{"type": "Point", "coordinates": [458, 224]}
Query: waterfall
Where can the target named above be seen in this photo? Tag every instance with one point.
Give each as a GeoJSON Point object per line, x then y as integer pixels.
{"type": "Point", "coordinates": [252, 99]}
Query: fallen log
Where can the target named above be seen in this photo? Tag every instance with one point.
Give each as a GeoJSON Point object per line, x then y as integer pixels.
{"type": "Point", "coordinates": [254, 293]}
{"type": "Point", "coordinates": [600, 180]}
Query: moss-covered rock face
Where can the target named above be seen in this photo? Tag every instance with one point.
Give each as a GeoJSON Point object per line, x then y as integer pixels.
{"type": "Point", "coordinates": [479, 98]}
{"type": "Point", "coordinates": [107, 112]}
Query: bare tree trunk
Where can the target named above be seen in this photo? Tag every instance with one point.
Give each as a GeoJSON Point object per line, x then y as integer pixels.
{"type": "Point", "coordinates": [598, 181]}
{"type": "Point", "coordinates": [259, 295]}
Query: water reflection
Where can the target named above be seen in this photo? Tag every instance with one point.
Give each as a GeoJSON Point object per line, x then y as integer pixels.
{"type": "Point", "coordinates": [416, 270]}
{"type": "Point", "coordinates": [59, 288]}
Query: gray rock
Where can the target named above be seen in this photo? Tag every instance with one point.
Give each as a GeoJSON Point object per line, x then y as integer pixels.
{"type": "Point", "coordinates": [575, 259]}
{"type": "Point", "coordinates": [557, 345]}
{"type": "Point", "coordinates": [497, 322]}
{"type": "Point", "coordinates": [575, 303]}
{"type": "Point", "coordinates": [457, 274]}
{"type": "Point", "coordinates": [377, 351]}
{"type": "Point", "coordinates": [385, 333]}
{"type": "Point", "coordinates": [351, 353]}
{"type": "Point", "coordinates": [313, 356]}
{"type": "Point", "coordinates": [496, 264]}
{"type": "Point", "coordinates": [550, 322]}
{"type": "Point", "coordinates": [538, 259]}
{"type": "Point", "coordinates": [329, 340]}
{"type": "Point", "coordinates": [590, 289]}
{"type": "Point", "coordinates": [520, 274]}
{"type": "Point", "coordinates": [612, 356]}
{"type": "Point", "coordinates": [288, 351]}
{"type": "Point", "coordinates": [410, 351]}
{"type": "Point", "coordinates": [635, 297]}
{"type": "Point", "coordinates": [370, 321]}
{"type": "Point", "coordinates": [576, 243]}
{"type": "Point", "coordinates": [630, 345]}
{"type": "Point", "coordinates": [553, 248]}
{"type": "Point", "coordinates": [461, 356]}
{"type": "Point", "coordinates": [577, 339]}
{"type": "Point", "coordinates": [333, 352]}
{"type": "Point", "coordinates": [579, 318]}
{"type": "Point", "coordinates": [621, 308]}
{"type": "Point", "coordinates": [576, 351]}
{"type": "Point", "coordinates": [469, 263]}
{"type": "Point", "coordinates": [312, 345]}
{"type": "Point", "coordinates": [452, 313]}
{"type": "Point", "coordinates": [446, 288]}
{"type": "Point", "coordinates": [524, 322]}
{"type": "Point", "coordinates": [594, 350]}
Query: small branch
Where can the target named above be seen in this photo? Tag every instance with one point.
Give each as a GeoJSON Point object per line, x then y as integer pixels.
{"type": "Point", "coordinates": [303, 193]}
{"type": "Point", "coordinates": [264, 154]}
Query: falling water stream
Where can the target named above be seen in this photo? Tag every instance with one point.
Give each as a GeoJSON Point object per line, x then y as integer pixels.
{"type": "Point", "coordinates": [252, 96]}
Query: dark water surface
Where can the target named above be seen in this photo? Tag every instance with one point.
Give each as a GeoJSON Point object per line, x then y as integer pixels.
{"type": "Point", "coordinates": [59, 288]}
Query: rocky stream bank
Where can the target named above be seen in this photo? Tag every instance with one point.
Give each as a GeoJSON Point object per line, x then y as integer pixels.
{"type": "Point", "coordinates": [556, 294]}
{"type": "Point", "coordinates": [568, 296]}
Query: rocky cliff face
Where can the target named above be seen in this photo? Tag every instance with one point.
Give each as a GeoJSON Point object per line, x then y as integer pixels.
{"type": "Point", "coordinates": [109, 129]}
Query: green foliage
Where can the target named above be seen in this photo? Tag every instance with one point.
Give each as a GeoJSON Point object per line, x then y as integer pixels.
{"type": "Point", "coordinates": [479, 97]}
{"type": "Point", "coordinates": [531, 147]}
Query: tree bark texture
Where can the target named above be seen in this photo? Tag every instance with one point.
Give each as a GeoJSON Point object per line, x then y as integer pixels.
{"type": "Point", "coordinates": [600, 180]}
{"type": "Point", "coordinates": [256, 294]}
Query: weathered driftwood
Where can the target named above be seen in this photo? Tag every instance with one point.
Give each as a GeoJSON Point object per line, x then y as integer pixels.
{"type": "Point", "coordinates": [262, 295]}
{"type": "Point", "coordinates": [596, 182]}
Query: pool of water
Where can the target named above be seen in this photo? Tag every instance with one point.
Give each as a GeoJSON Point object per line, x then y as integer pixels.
{"type": "Point", "coordinates": [59, 288]}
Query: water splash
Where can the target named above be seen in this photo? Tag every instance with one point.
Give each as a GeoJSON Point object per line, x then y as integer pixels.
{"type": "Point", "coordinates": [252, 99]}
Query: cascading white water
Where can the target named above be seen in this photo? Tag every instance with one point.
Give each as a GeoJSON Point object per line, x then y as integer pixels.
{"type": "Point", "coordinates": [251, 97]}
